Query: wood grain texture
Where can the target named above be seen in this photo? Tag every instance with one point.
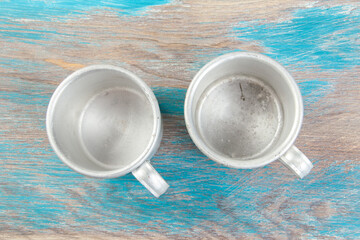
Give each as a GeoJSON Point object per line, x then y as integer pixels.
{"type": "Point", "coordinates": [166, 43]}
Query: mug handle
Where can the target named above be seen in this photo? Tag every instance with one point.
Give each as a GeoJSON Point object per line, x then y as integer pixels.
{"type": "Point", "coordinates": [151, 179]}
{"type": "Point", "coordinates": [296, 161]}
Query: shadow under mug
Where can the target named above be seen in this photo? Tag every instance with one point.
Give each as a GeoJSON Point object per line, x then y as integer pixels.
{"type": "Point", "coordinates": [104, 122]}
{"type": "Point", "coordinates": [244, 110]}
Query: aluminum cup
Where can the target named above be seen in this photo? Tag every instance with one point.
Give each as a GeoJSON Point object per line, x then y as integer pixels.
{"type": "Point", "coordinates": [244, 110]}
{"type": "Point", "coordinates": [104, 122]}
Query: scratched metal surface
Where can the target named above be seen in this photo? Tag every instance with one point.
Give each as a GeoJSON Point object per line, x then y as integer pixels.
{"type": "Point", "coordinates": [166, 43]}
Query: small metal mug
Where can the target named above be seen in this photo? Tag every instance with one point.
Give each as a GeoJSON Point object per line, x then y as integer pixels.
{"type": "Point", "coordinates": [244, 110]}
{"type": "Point", "coordinates": [104, 122]}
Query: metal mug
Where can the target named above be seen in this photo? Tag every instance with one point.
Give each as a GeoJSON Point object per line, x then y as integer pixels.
{"type": "Point", "coordinates": [244, 110]}
{"type": "Point", "coordinates": [104, 122]}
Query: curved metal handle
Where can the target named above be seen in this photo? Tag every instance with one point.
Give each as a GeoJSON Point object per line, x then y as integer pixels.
{"type": "Point", "coordinates": [297, 162]}
{"type": "Point", "coordinates": [151, 179]}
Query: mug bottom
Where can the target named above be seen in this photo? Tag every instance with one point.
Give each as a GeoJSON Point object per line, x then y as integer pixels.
{"type": "Point", "coordinates": [239, 117]}
{"type": "Point", "coordinates": [116, 127]}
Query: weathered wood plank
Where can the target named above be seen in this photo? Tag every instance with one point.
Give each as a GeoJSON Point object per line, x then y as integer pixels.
{"type": "Point", "coordinates": [41, 43]}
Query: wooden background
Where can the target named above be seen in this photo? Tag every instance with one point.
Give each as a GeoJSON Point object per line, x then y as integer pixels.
{"type": "Point", "coordinates": [166, 43]}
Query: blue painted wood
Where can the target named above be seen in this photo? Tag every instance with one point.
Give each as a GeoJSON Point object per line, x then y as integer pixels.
{"type": "Point", "coordinates": [42, 42]}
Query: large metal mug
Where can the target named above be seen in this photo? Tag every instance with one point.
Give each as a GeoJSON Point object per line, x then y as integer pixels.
{"type": "Point", "coordinates": [104, 122]}
{"type": "Point", "coordinates": [244, 110]}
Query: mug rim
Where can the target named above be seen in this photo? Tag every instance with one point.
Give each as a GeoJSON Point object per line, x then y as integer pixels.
{"type": "Point", "coordinates": [150, 149]}
{"type": "Point", "coordinates": [258, 161]}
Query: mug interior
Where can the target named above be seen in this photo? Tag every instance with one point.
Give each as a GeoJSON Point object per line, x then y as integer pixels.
{"type": "Point", "coordinates": [243, 110]}
{"type": "Point", "coordinates": [103, 121]}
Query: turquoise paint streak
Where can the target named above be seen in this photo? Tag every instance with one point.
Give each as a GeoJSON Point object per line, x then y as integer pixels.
{"type": "Point", "coordinates": [31, 34]}
{"type": "Point", "coordinates": [61, 9]}
{"type": "Point", "coordinates": [40, 10]}
{"type": "Point", "coordinates": [171, 100]}
{"type": "Point", "coordinates": [323, 38]}
{"type": "Point", "coordinates": [25, 65]}
{"type": "Point", "coordinates": [314, 90]}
